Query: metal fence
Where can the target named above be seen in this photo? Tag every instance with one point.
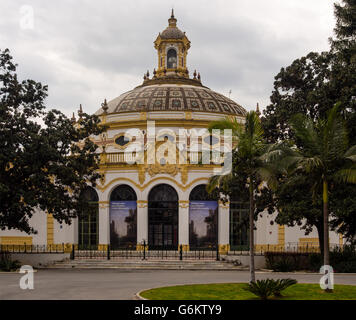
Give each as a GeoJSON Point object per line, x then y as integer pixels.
{"type": "Point", "coordinates": [294, 247]}
{"type": "Point", "coordinates": [142, 252]}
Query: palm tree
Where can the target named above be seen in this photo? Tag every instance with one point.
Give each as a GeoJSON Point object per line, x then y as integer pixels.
{"type": "Point", "coordinates": [249, 146]}
{"type": "Point", "coordinates": [323, 153]}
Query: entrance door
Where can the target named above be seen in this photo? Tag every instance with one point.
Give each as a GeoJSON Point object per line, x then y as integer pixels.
{"type": "Point", "coordinates": [88, 223]}
{"type": "Point", "coordinates": [163, 218]}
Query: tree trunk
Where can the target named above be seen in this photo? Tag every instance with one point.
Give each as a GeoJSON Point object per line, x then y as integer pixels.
{"type": "Point", "coordinates": [320, 228]}
{"type": "Point", "coordinates": [326, 226]}
{"type": "Point", "coordinates": [326, 223]}
{"type": "Point", "coordinates": [252, 243]}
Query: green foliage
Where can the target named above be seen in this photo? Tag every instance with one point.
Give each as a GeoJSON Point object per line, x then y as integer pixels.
{"type": "Point", "coordinates": [6, 263]}
{"type": "Point", "coordinates": [311, 86]}
{"type": "Point", "coordinates": [282, 284]}
{"type": "Point", "coordinates": [45, 161]}
{"type": "Point", "coordinates": [286, 261]}
{"type": "Point", "coordinates": [249, 170]}
{"type": "Point", "coordinates": [343, 260]}
{"type": "Point", "coordinates": [268, 287]}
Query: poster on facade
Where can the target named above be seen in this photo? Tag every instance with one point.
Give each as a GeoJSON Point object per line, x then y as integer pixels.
{"type": "Point", "coordinates": [123, 224]}
{"type": "Point", "coordinates": [203, 224]}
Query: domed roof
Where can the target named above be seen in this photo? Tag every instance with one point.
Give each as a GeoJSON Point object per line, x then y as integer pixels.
{"type": "Point", "coordinates": [172, 33]}
{"type": "Point", "coordinates": [173, 97]}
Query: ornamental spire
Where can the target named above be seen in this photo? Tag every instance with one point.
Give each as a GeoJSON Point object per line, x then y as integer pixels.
{"type": "Point", "coordinates": [172, 20]}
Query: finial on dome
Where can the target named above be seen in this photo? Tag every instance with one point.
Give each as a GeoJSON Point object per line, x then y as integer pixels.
{"type": "Point", "coordinates": [80, 111]}
{"type": "Point", "coordinates": [195, 74]}
{"type": "Point", "coordinates": [148, 74]}
{"type": "Point", "coordinates": [199, 76]}
{"type": "Point", "coordinates": [73, 118]}
{"type": "Point", "coordinates": [258, 109]}
{"type": "Point", "coordinates": [104, 105]}
{"type": "Point", "coordinates": [172, 20]}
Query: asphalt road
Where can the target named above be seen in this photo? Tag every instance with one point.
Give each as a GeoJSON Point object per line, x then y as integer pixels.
{"type": "Point", "coordinates": [122, 285]}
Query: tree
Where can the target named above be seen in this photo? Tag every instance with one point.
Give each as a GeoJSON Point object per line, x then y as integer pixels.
{"type": "Point", "coordinates": [324, 154]}
{"type": "Point", "coordinates": [345, 29]}
{"type": "Point", "coordinates": [312, 85]}
{"type": "Point", "coordinates": [303, 87]}
{"type": "Point", "coordinates": [45, 161]}
{"type": "Point", "coordinates": [249, 171]}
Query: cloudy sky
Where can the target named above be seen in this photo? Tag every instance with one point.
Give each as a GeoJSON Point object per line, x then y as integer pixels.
{"type": "Point", "coordinates": [90, 50]}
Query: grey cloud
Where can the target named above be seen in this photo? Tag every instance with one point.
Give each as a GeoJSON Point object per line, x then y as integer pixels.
{"type": "Point", "coordinates": [86, 50]}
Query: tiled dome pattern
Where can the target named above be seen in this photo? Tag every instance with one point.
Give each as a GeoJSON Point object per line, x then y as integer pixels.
{"type": "Point", "coordinates": [173, 98]}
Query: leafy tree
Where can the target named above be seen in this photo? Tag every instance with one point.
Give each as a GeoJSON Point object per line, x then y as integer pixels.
{"type": "Point", "coordinates": [312, 85]}
{"type": "Point", "coordinates": [249, 171]}
{"type": "Point", "coordinates": [45, 161]}
{"type": "Point", "coordinates": [324, 154]}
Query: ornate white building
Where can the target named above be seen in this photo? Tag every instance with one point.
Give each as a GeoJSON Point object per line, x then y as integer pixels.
{"type": "Point", "coordinates": [153, 198]}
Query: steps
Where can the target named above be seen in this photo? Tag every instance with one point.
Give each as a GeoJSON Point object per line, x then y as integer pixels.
{"type": "Point", "coordinates": [145, 265]}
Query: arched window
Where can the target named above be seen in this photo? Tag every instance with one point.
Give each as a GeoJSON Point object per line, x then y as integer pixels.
{"type": "Point", "coordinates": [171, 59]}
{"type": "Point", "coordinates": [123, 217]}
{"type": "Point", "coordinates": [203, 218]}
{"type": "Point", "coordinates": [199, 193]}
{"type": "Point", "coordinates": [163, 218]}
{"type": "Point", "coordinates": [88, 221]}
{"type": "Point", "coordinates": [123, 193]}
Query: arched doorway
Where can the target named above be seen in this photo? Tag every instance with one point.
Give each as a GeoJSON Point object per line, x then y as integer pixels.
{"type": "Point", "coordinates": [171, 59]}
{"type": "Point", "coordinates": [88, 221]}
{"type": "Point", "coordinates": [203, 219]}
{"type": "Point", "coordinates": [163, 218]}
{"type": "Point", "coordinates": [123, 217]}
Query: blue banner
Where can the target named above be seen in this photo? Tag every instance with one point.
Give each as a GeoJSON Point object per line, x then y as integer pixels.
{"type": "Point", "coordinates": [123, 224]}
{"type": "Point", "coordinates": [203, 224]}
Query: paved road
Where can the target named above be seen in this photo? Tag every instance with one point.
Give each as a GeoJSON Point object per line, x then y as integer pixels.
{"type": "Point", "coordinates": [121, 284]}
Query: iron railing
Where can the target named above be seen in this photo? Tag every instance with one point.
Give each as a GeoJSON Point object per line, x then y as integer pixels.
{"type": "Point", "coordinates": [293, 247]}
{"type": "Point", "coordinates": [141, 251]}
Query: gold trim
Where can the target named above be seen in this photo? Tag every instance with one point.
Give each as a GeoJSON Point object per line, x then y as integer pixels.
{"type": "Point", "coordinates": [12, 240]}
{"type": "Point", "coordinates": [281, 235]}
{"type": "Point", "coordinates": [141, 188]}
{"type": "Point", "coordinates": [50, 229]}
{"type": "Point", "coordinates": [223, 205]}
{"type": "Point", "coordinates": [185, 247]}
{"type": "Point", "coordinates": [224, 248]}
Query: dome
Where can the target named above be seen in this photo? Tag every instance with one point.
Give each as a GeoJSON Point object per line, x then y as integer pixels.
{"type": "Point", "coordinates": [173, 97]}
{"type": "Point", "coordinates": [172, 33]}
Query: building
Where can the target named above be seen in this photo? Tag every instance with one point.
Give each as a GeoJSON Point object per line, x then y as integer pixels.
{"type": "Point", "coordinates": [156, 194]}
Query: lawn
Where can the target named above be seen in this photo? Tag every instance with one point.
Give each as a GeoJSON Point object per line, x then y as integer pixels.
{"type": "Point", "coordinates": [235, 291]}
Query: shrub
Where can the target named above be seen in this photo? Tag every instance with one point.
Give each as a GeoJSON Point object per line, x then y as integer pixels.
{"type": "Point", "coordinates": [286, 261]}
{"type": "Point", "coordinates": [261, 288]}
{"type": "Point", "coordinates": [342, 259]}
{"type": "Point", "coordinates": [282, 284]}
{"type": "Point", "coordinates": [6, 264]}
{"type": "Point", "coordinates": [268, 287]}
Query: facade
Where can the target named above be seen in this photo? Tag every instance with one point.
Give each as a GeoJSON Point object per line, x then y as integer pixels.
{"type": "Point", "coordinates": [156, 195]}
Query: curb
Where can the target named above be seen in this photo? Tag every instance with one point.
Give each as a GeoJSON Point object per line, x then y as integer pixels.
{"type": "Point", "coordinates": [138, 296]}
{"type": "Point", "coordinates": [14, 272]}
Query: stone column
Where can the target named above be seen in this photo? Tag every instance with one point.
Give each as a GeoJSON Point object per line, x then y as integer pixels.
{"type": "Point", "coordinates": [224, 227]}
{"type": "Point", "coordinates": [183, 224]}
{"type": "Point", "coordinates": [142, 222]}
{"type": "Point", "coordinates": [104, 224]}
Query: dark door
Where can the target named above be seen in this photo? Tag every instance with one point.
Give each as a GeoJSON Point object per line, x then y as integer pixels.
{"type": "Point", "coordinates": [163, 218]}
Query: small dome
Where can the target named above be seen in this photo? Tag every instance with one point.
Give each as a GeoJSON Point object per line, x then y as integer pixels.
{"type": "Point", "coordinates": [172, 33]}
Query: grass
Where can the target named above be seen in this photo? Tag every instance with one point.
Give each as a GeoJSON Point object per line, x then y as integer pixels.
{"type": "Point", "coordinates": [234, 291]}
